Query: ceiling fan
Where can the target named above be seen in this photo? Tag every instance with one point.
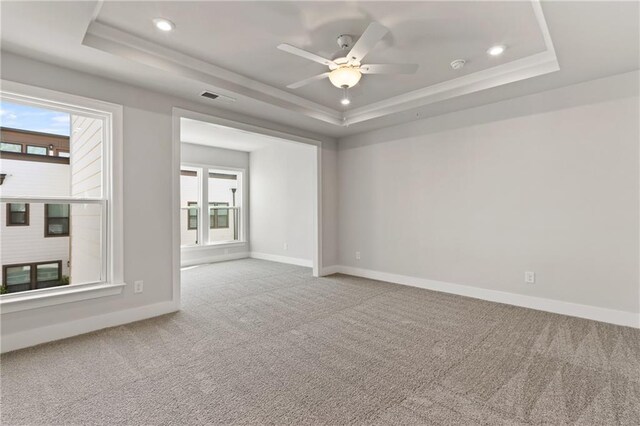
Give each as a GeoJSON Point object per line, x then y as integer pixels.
{"type": "Point", "coordinates": [346, 68]}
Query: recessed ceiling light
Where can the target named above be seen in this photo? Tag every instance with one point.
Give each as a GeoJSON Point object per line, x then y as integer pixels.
{"type": "Point", "coordinates": [496, 50]}
{"type": "Point", "coordinates": [163, 24]}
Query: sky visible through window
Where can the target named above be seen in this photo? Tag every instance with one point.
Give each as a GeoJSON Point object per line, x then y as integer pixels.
{"type": "Point", "coordinates": [25, 117]}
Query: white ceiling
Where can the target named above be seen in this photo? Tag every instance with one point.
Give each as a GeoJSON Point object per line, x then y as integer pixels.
{"type": "Point", "coordinates": [591, 40]}
{"type": "Point", "coordinates": [209, 134]}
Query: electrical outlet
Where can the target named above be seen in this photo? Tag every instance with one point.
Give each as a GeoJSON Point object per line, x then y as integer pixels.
{"type": "Point", "coordinates": [529, 277]}
{"type": "Point", "coordinates": [138, 286]}
{"type": "Point", "coordinates": [357, 255]}
{"type": "Point", "coordinates": [285, 246]}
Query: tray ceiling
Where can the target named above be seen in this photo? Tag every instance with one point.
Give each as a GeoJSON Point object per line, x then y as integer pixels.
{"type": "Point", "coordinates": [231, 47]}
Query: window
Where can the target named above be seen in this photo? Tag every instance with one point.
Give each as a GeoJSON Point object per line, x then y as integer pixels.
{"type": "Point", "coordinates": [37, 150]}
{"type": "Point", "coordinates": [56, 220]}
{"type": "Point", "coordinates": [210, 200]}
{"type": "Point", "coordinates": [224, 190]}
{"type": "Point", "coordinates": [10, 147]}
{"type": "Point", "coordinates": [193, 215]}
{"type": "Point", "coordinates": [32, 276]}
{"type": "Point", "coordinates": [17, 214]}
{"type": "Point", "coordinates": [78, 195]}
{"type": "Point", "coordinates": [219, 218]}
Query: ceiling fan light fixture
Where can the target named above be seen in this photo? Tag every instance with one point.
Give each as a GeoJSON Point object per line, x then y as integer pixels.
{"type": "Point", "coordinates": [345, 76]}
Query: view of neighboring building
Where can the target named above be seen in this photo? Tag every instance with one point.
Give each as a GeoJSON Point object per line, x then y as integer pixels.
{"type": "Point", "coordinates": [40, 239]}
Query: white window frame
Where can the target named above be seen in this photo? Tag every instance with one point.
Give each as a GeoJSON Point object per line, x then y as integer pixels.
{"type": "Point", "coordinates": [203, 171]}
{"type": "Point", "coordinates": [112, 282]}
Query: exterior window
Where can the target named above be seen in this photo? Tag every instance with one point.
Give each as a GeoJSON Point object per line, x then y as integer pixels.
{"type": "Point", "coordinates": [217, 193]}
{"type": "Point", "coordinates": [38, 150]}
{"type": "Point", "coordinates": [10, 147]}
{"type": "Point", "coordinates": [16, 278]}
{"type": "Point", "coordinates": [56, 220]}
{"type": "Point", "coordinates": [48, 272]}
{"type": "Point", "coordinates": [219, 218]}
{"type": "Point", "coordinates": [17, 214]}
{"type": "Point", "coordinates": [31, 276]}
{"type": "Point", "coordinates": [193, 216]}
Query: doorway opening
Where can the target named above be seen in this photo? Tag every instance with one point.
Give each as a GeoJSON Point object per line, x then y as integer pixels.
{"type": "Point", "coordinates": [243, 192]}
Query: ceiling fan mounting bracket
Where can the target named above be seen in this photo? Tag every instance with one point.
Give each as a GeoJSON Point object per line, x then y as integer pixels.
{"type": "Point", "coordinates": [345, 41]}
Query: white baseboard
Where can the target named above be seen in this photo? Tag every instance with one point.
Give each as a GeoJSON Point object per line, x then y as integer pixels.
{"type": "Point", "coordinates": [200, 260]}
{"type": "Point", "coordinates": [612, 316]}
{"type": "Point", "coordinates": [330, 270]}
{"type": "Point", "coordinates": [282, 259]}
{"type": "Point", "coordinates": [12, 342]}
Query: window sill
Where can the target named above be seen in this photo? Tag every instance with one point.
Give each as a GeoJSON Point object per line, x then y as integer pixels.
{"type": "Point", "coordinates": [214, 245]}
{"type": "Point", "coordinates": [35, 299]}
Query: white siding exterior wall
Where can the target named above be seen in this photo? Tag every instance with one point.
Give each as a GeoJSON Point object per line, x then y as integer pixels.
{"type": "Point", "coordinates": [86, 181]}
{"type": "Point", "coordinates": [27, 244]}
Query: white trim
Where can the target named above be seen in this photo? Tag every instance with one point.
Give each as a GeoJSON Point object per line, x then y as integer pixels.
{"type": "Point", "coordinates": [49, 333]}
{"type": "Point", "coordinates": [330, 270]}
{"type": "Point", "coordinates": [316, 264]}
{"type": "Point", "coordinates": [612, 316]}
{"type": "Point", "coordinates": [282, 259]}
{"type": "Point", "coordinates": [176, 238]}
{"type": "Point", "coordinates": [210, 246]}
{"type": "Point", "coordinates": [15, 302]}
{"type": "Point", "coordinates": [214, 258]}
{"type": "Point", "coordinates": [237, 125]}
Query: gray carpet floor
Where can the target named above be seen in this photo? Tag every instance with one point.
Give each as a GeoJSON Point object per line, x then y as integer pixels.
{"type": "Point", "coordinates": [266, 343]}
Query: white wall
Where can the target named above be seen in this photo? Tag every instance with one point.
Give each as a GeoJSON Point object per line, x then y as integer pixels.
{"type": "Point", "coordinates": [282, 196]}
{"type": "Point", "coordinates": [217, 157]}
{"type": "Point", "coordinates": [148, 205]}
{"type": "Point", "coordinates": [546, 183]}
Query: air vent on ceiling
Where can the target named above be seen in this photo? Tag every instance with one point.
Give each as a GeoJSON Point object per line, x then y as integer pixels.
{"type": "Point", "coordinates": [211, 95]}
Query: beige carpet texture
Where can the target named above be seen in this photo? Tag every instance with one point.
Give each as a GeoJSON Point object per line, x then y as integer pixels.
{"type": "Point", "coordinates": [258, 342]}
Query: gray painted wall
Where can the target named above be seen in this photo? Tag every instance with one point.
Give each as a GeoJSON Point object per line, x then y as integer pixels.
{"type": "Point", "coordinates": [147, 187]}
{"type": "Point", "coordinates": [282, 197]}
{"type": "Point", "coordinates": [546, 183]}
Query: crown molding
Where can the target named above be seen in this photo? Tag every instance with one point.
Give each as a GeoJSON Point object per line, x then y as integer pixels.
{"type": "Point", "coordinates": [115, 41]}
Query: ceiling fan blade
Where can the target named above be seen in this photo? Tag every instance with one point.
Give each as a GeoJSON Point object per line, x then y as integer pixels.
{"type": "Point", "coordinates": [308, 80]}
{"type": "Point", "coordinates": [304, 54]}
{"type": "Point", "coordinates": [389, 69]}
{"type": "Point", "coordinates": [372, 35]}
